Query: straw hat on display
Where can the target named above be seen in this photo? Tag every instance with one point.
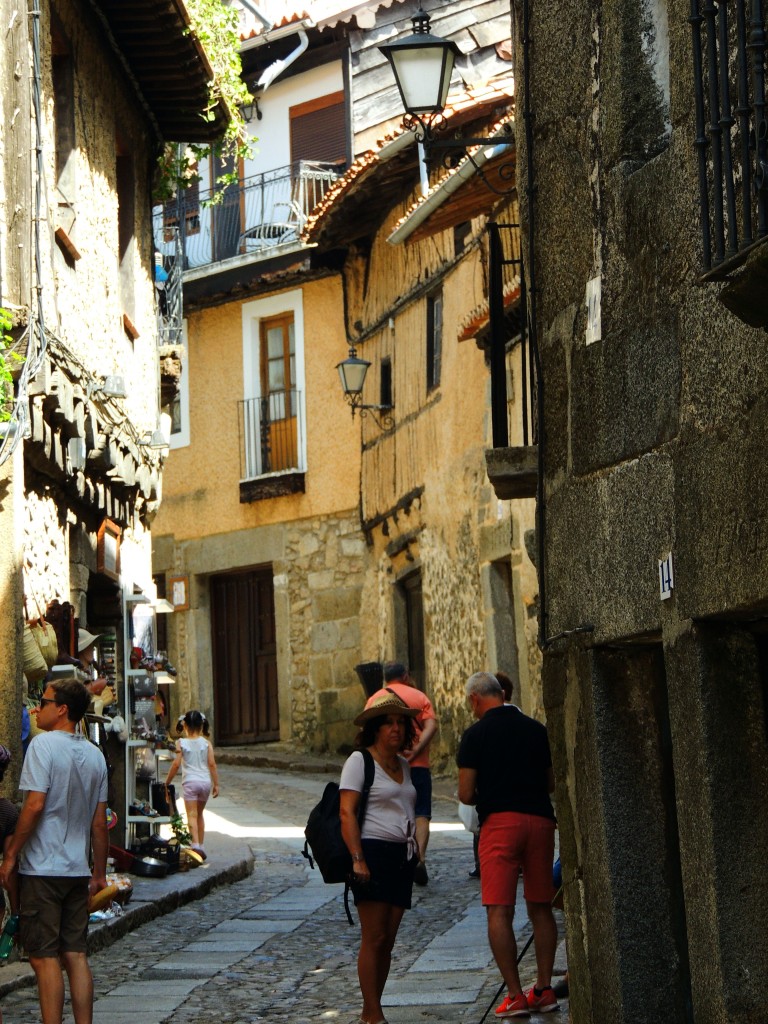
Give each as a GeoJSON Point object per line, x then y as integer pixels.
{"type": "Point", "coordinates": [384, 702]}
{"type": "Point", "coordinates": [86, 639]}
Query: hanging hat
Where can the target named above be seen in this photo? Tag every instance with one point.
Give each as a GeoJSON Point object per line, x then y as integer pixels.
{"type": "Point", "coordinates": [384, 702]}
{"type": "Point", "coordinates": [85, 639]}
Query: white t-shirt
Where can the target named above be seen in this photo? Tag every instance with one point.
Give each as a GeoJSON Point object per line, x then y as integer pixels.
{"type": "Point", "coordinates": [72, 773]}
{"type": "Point", "coordinates": [194, 760]}
{"type": "Point", "coordinates": [389, 814]}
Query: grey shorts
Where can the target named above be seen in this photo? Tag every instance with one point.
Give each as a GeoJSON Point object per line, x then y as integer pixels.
{"type": "Point", "coordinates": [54, 914]}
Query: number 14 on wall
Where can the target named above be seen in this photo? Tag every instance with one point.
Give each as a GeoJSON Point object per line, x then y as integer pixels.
{"type": "Point", "coordinates": [666, 577]}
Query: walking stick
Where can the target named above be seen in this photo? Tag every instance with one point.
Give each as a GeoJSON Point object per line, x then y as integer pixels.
{"type": "Point", "coordinates": [525, 949]}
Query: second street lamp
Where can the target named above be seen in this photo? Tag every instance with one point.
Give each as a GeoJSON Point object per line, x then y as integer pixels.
{"type": "Point", "coordinates": [352, 373]}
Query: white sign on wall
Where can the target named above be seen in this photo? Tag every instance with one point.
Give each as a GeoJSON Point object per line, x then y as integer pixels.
{"type": "Point", "coordinates": [666, 577]}
{"type": "Point", "coordinates": [593, 300]}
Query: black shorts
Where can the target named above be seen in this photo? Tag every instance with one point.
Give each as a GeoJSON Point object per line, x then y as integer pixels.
{"type": "Point", "coordinates": [54, 914]}
{"type": "Point", "coordinates": [391, 874]}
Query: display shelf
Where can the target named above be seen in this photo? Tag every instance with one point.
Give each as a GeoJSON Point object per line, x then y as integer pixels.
{"type": "Point", "coordinates": [139, 631]}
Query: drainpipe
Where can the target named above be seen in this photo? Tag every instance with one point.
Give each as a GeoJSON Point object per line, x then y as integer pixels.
{"type": "Point", "coordinates": [276, 69]}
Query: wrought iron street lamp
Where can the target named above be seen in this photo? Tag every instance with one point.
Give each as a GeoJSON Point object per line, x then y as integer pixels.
{"type": "Point", "coordinates": [352, 373]}
{"type": "Point", "coordinates": [423, 65]}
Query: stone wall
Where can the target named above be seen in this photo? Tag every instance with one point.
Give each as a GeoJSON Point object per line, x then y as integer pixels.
{"type": "Point", "coordinates": [652, 444]}
{"type": "Point", "coordinates": [323, 569]}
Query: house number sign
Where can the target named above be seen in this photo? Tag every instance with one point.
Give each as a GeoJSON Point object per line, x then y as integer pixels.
{"type": "Point", "coordinates": [666, 577]}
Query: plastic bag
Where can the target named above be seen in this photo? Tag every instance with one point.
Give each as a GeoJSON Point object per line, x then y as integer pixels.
{"type": "Point", "coordinates": [468, 817]}
{"type": "Point", "coordinates": [146, 763]}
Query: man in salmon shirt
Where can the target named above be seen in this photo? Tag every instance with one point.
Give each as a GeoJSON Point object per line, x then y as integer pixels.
{"type": "Point", "coordinates": [398, 679]}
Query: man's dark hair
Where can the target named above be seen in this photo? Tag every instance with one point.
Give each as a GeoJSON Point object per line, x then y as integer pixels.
{"type": "Point", "coordinates": [394, 670]}
{"type": "Point", "coordinates": [73, 694]}
{"type": "Point", "coordinates": [367, 735]}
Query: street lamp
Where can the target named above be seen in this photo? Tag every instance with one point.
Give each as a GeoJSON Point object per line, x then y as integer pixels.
{"type": "Point", "coordinates": [422, 65]}
{"type": "Point", "coordinates": [352, 373]}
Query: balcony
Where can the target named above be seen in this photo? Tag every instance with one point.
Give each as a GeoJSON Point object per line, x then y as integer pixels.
{"type": "Point", "coordinates": [271, 432]}
{"type": "Point", "coordinates": [259, 217]}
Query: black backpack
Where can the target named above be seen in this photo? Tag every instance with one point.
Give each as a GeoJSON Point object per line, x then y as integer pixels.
{"type": "Point", "coordinates": [323, 832]}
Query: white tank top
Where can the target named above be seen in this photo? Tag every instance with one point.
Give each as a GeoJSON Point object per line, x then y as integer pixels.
{"type": "Point", "coordinates": [194, 760]}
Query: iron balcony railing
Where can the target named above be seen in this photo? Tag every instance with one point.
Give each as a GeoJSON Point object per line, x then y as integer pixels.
{"type": "Point", "coordinates": [168, 282]}
{"type": "Point", "coordinates": [505, 266]}
{"type": "Point", "coordinates": [271, 430]}
{"type": "Point", "coordinates": [729, 50]}
{"type": "Point", "coordinates": [255, 216]}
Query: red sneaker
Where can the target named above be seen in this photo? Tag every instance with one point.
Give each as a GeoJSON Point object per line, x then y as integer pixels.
{"type": "Point", "coordinates": [517, 1007]}
{"type": "Point", "coordinates": [543, 1000]}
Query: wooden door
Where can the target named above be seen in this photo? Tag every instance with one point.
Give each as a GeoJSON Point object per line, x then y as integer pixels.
{"type": "Point", "coordinates": [279, 396]}
{"type": "Point", "coordinates": [244, 657]}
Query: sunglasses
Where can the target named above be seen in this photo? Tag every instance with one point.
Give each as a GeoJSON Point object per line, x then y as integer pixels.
{"type": "Point", "coordinates": [46, 700]}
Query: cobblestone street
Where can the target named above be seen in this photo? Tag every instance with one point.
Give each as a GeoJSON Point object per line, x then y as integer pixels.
{"type": "Point", "coordinates": [277, 945]}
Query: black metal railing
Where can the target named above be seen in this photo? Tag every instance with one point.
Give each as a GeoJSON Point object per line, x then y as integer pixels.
{"type": "Point", "coordinates": [729, 48]}
{"type": "Point", "coordinates": [271, 430]}
{"type": "Point", "coordinates": [256, 215]}
{"type": "Point", "coordinates": [168, 282]}
{"type": "Point", "coordinates": [505, 260]}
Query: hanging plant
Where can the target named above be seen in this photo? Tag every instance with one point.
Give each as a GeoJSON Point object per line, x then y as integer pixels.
{"type": "Point", "coordinates": [216, 26]}
{"type": "Point", "coordinates": [7, 359]}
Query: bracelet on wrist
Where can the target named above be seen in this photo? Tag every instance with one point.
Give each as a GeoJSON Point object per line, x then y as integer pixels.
{"type": "Point", "coordinates": [357, 857]}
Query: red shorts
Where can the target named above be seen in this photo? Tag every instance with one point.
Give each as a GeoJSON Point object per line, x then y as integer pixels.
{"type": "Point", "coordinates": [510, 842]}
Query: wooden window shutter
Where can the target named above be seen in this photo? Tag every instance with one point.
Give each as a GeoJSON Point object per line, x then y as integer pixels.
{"type": "Point", "coordinates": [319, 129]}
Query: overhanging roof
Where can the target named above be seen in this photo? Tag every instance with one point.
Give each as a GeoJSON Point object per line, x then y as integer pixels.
{"type": "Point", "coordinates": [356, 204]}
{"type": "Point", "coordinates": [167, 64]}
{"type": "Point", "coordinates": [478, 182]}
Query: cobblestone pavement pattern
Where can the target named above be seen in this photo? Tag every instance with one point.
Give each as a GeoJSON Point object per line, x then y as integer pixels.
{"type": "Point", "coordinates": [277, 947]}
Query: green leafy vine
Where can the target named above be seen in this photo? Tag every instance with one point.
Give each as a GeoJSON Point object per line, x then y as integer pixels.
{"type": "Point", "coordinates": [7, 358]}
{"type": "Point", "coordinates": [216, 26]}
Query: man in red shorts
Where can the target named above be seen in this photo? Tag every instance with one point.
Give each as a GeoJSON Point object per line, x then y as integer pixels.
{"type": "Point", "coordinates": [505, 768]}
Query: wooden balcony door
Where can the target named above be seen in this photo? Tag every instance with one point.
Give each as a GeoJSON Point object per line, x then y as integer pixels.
{"type": "Point", "coordinates": [244, 657]}
{"type": "Point", "coordinates": [278, 386]}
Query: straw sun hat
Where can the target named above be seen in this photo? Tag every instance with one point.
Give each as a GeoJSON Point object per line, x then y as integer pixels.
{"type": "Point", "coordinates": [384, 702]}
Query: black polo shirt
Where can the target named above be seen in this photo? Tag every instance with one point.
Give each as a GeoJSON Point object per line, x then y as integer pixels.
{"type": "Point", "coordinates": [510, 753]}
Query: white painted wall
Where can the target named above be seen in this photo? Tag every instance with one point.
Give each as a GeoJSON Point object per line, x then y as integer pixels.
{"type": "Point", "coordinates": [272, 148]}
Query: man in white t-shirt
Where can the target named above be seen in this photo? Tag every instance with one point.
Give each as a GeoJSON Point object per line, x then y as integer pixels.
{"type": "Point", "coordinates": [63, 819]}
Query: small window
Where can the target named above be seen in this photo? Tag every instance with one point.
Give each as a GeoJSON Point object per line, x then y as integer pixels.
{"type": "Point", "coordinates": [126, 230]}
{"type": "Point", "coordinates": [62, 74]}
{"type": "Point", "coordinates": [461, 234]}
{"type": "Point", "coordinates": [385, 395]}
{"type": "Point", "coordinates": [434, 339]}
{"type": "Point", "coordinates": [319, 129]}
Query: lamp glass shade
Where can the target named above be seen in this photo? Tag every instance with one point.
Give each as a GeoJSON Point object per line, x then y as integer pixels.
{"type": "Point", "coordinates": [114, 387]}
{"type": "Point", "coordinates": [423, 65]}
{"type": "Point", "coordinates": [352, 373]}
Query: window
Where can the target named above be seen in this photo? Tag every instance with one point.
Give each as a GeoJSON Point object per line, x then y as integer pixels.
{"type": "Point", "coordinates": [184, 209]}
{"type": "Point", "coordinates": [319, 129]}
{"type": "Point", "coordinates": [434, 339]}
{"type": "Point", "coordinates": [385, 391]}
{"type": "Point", "coordinates": [409, 624]}
{"type": "Point", "coordinates": [271, 413]}
{"type": "Point", "coordinates": [176, 425]}
{"type": "Point", "coordinates": [126, 229]}
{"type": "Point", "coordinates": [63, 113]}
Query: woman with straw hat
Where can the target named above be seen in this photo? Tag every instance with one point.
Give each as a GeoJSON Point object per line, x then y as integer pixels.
{"type": "Point", "coordinates": [383, 846]}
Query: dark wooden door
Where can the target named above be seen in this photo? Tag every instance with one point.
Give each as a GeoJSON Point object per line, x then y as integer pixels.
{"type": "Point", "coordinates": [244, 657]}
